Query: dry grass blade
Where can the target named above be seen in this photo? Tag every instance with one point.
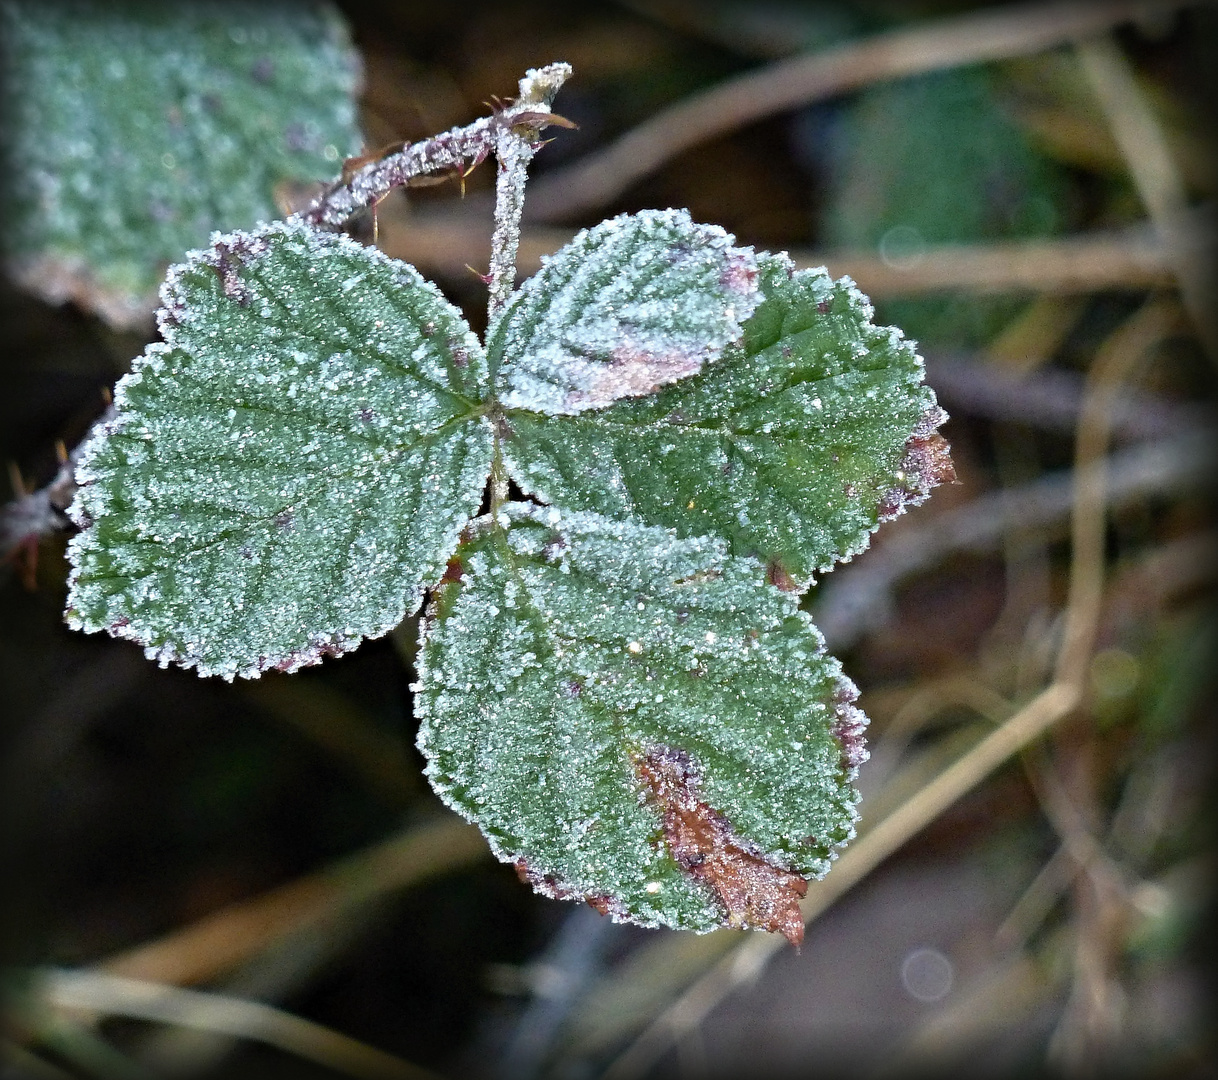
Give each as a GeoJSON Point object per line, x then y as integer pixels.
{"type": "Point", "coordinates": [972, 38]}
{"type": "Point", "coordinates": [1144, 145]}
{"type": "Point", "coordinates": [1133, 258]}
{"type": "Point", "coordinates": [221, 942]}
{"type": "Point", "coordinates": [1113, 365]}
{"type": "Point", "coordinates": [115, 996]}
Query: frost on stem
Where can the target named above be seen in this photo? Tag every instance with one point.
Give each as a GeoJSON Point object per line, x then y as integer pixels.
{"type": "Point", "coordinates": [451, 151]}
{"type": "Point", "coordinates": [515, 144]}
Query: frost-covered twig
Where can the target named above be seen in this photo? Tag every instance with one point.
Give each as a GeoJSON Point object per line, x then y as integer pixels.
{"type": "Point", "coordinates": [451, 151]}
{"type": "Point", "coordinates": [515, 145]}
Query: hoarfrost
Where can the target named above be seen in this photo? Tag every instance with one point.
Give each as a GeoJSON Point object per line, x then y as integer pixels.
{"type": "Point", "coordinates": [537, 715]}
{"type": "Point", "coordinates": [633, 304]}
{"type": "Point", "coordinates": [273, 467]}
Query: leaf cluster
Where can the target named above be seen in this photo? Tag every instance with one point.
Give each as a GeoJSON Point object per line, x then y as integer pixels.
{"type": "Point", "coordinates": [616, 680]}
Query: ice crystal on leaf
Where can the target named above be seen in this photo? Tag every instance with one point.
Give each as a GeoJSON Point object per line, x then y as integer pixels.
{"type": "Point", "coordinates": [637, 302]}
{"type": "Point", "coordinates": [616, 680]}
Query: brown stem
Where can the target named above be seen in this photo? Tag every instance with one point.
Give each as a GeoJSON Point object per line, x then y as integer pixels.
{"type": "Point", "coordinates": [451, 151]}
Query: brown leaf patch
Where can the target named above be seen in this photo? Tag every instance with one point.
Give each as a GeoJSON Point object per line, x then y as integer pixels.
{"type": "Point", "coordinates": [754, 893]}
{"type": "Point", "coordinates": [926, 464]}
{"type": "Point", "coordinates": [632, 373]}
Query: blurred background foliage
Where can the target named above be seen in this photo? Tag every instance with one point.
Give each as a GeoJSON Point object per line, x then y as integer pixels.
{"type": "Point", "coordinates": [274, 842]}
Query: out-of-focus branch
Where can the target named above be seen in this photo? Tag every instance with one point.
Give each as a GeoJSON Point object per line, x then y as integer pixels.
{"type": "Point", "coordinates": [220, 942]}
{"type": "Point", "coordinates": [852, 602]}
{"type": "Point", "coordinates": [976, 37]}
{"type": "Point", "coordinates": [117, 996]}
{"type": "Point", "coordinates": [1049, 398]}
{"type": "Point", "coordinates": [1134, 258]}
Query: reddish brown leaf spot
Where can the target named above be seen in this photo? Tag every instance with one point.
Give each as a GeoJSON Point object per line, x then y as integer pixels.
{"type": "Point", "coordinates": [930, 457]}
{"type": "Point", "coordinates": [848, 728]}
{"type": "Point", "coordinates": [926, 464]}
{"type": "Point", "coordinates": [452, 572]}
{"type": "Point", "coordinates": [228, 256]}
{"type": "Point", "coordinates": [740, 274]}
{"type": "Point", "coordinates": [777, 576]}
{"type": "Point", "coordinates": [753, 891]}
{"type": "Point", "coordinates": [633, 373]}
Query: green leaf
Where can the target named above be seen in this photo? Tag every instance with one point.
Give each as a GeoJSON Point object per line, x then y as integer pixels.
{"type": "Point", "coordinates": [793, 447]}
{"type": "Point", "coordinates": [637, 302]}
{"type": "Point", "coordinates": [290, 469]}
{"type": "Point", "coordinates": [133, 129]}
{"type": "Point", "coordinates": [637, 720]}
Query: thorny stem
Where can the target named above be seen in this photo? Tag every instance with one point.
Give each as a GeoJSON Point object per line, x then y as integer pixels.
{"type": "Point", "coordinates": [515, 145]}
{"type": "Point", "coordinates": [42, 512]}
{"type": "Point", "coordinates": [449, 152]}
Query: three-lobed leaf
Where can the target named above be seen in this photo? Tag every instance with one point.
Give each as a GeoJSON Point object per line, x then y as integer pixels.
{"type": "Point", "coordinates": [619, 687]}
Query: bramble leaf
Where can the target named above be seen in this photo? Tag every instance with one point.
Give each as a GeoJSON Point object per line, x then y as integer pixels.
{"type": "Point", "coordinates": [639, 301]}
{"type": "Point", "coordinates": [133, 129]}
{"type": "Point", "coordinates": [637, 720]}
{"type": "Point", "coordinates": [793, 446]}
{"type": "Point", "coordinates": [290, 469]}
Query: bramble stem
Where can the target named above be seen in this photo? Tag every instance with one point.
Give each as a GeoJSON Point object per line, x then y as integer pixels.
{"type": "Point", "coordinates": [449, 152]}
{"type": "Point", "coordinates": [515, 145]}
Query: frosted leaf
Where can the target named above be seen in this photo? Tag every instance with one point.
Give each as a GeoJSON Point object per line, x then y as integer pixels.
{"type": "Point", "coordinates": [793, 447]}
{"type": "Point", "coordinates": [132, 130]}
{"type": "Point", "coordinates": [637, 302]}
{"type": "Point", "coordinates": [637, 720]}
{"type": "Point", "coordinates": [290, 469]}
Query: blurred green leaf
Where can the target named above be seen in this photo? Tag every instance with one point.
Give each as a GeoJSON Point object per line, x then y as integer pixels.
{"type": "Point", "coordinates": [937, 160]}
{"type": "Point", "coordinates": [133, 129]}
